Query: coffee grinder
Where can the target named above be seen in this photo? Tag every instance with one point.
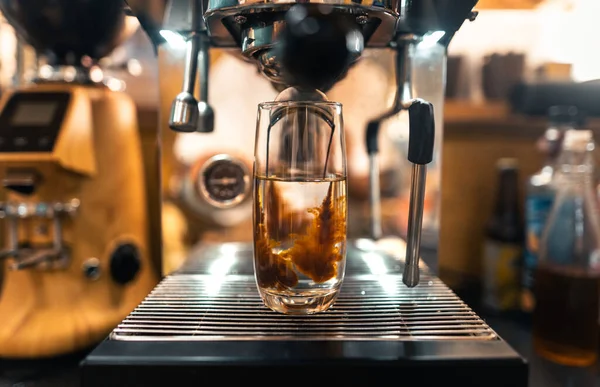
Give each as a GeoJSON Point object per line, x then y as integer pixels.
{"type": "Point", "coordinates": [74, 212]}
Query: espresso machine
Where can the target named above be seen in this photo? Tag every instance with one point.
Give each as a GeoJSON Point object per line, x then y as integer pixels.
{"type": "Point", "coordinates": [394, 319]}
{"type": "Point", "coordinates": [74, 212]}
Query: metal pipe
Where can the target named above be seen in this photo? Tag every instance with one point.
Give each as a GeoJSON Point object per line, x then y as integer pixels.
{"type": "Point", "coordinates": [184, 109]}
{"type": "Point", "coordinates": [403, 74]}
{"type": "Point", "coordinates": [206, 114]}
{"type": "Point", "coordinates": [374, 196]}
{"type": "Point", "coordinates": [34, 259]}
{"type": "Point", "coordinates": [203, 62]}
{"type": "Point", "coordinates": [403, 93]}
{"type": "Point", "coordinates": [191, 61]}
{"type": "Point", "coordinates": [415, 220]}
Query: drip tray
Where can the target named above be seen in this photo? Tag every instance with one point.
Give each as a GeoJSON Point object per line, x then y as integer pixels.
{"type": "Point", "coordinates": [209, 315]}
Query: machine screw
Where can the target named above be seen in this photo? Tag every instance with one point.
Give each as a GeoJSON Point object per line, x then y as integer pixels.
{"type": "Point", "coordinates": [91, 268]}
{"type": "Point", "coordinates": [362, 19]}
{"type": "Point", "coordinates": [239, 19]}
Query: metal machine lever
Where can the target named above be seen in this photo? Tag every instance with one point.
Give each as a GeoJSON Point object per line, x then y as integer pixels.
{"type": "Point", "coordinates": [37, 257]}
{"type": "Point", "coordinates": [57, 255]}
{"type": "Point", "coordinates": [45, 255]}
{"type": "Point", "coordinates": [420, 153]}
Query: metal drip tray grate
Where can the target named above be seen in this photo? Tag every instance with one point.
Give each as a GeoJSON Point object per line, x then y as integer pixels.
{"type": "Point", "coordinates": [196, 307]}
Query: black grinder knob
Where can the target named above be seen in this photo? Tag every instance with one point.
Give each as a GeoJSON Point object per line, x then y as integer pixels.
{"type": "Point", "coordinates": [125, 263]}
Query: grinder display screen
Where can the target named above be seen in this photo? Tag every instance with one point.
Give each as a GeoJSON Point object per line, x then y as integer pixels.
{"type": "Point", "coordinates": [30, 122]}
{"type": "Point", "coordinates": [34, 113]}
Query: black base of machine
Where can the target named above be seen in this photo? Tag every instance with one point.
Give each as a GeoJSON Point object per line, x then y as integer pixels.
{"type": "Point", "coordinates": [315, 363]}
{"type": "Point", "coordinates": [378, 332]}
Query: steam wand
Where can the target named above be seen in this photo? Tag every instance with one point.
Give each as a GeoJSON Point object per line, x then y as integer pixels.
{"type": "Point", "coordinates": [184, 109]}
{"type": "Point", "coordinates": [420, 153]}
{"type": "Point", "coordinates": [187, 114]}
{"type": "Point", "coordinates": [403, 71]}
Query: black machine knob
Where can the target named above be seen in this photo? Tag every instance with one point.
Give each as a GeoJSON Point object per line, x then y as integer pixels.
{"type": "Point", "coordinates": [125, 263]}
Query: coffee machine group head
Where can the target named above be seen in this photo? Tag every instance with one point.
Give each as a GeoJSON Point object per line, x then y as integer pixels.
{"type": "Point", "coordinates": [309, 46]}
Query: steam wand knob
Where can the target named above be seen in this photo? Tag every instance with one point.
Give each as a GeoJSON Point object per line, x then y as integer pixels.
{"type": "Point", "coordinates": [420, 153]}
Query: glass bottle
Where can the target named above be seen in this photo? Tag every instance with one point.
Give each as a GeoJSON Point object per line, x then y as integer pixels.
{"type": "Point", "coordinates": [567, 279]}
{"type": "Point", "coordinates": [503, 247]}
{"type": "Point", "coordinates": [540, 194]}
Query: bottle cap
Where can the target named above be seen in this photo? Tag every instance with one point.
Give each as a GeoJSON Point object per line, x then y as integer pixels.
{"type": "Point", "coordinates": [578, 140]}
{"type": "Point", "coordinates": [506, 163]}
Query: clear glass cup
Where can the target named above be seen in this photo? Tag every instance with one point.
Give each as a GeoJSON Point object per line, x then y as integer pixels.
{"type": "Point", "coordinates": [300, 208]}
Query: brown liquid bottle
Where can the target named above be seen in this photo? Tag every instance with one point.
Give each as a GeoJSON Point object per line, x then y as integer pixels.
{"type": "Point", "coordinates": [567, 278]}
{"type": "Point", "coordinates": [503, 244]}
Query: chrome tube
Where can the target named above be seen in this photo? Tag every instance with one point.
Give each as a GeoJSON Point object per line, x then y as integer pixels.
{"type": "Point", "coordinates": [374, 196]}
{"type": "Point", "coordinates": [415, 220]}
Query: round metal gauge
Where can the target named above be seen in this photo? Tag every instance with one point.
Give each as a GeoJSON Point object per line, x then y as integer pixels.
{"type": "Point", "coordinates": [224, 181]}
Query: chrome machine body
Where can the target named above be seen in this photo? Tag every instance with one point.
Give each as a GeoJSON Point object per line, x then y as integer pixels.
{"type": "Point", "coordinates": [394, 319]}
{"type": "Point", "coordinates": [277, 36]}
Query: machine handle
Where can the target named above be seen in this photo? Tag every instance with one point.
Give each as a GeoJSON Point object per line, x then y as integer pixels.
{"type": "Point", "coordinates": [421, 132]}
{"type": "Point", "coordinates": [420, 153]}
